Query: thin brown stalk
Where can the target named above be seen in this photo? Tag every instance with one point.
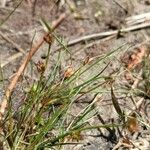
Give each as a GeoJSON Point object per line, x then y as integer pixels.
{"type": "Point", "coordinates": [12, 42]}
{"type": "Point", "coordinates": [108, 33]}
{"type": "Point", "coordinates": [21, 69]}
{"type": "Point", "coordinates": [10, 59]}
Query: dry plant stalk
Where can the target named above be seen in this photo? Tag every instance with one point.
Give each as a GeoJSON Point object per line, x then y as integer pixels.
{"type": "Point", "coordinates": [10, 59]}
{"type": "Point", "coordinates": [108, 33]}
{"type": "Point", "coordinates": [12, 42]}
{"type": "Point", "coordinates": [21, 69]}
{"type": "Point", "coordinates": [136, 19]}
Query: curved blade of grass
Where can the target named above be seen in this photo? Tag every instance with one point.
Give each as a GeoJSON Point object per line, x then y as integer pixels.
{"type": "Point", "coordinates": [83, 113]}
{"type": "Point", "coordinates": [91, 80]}
{"type": "Point", "coordinates": [47, 127]}
{"type": "Point", "coordinates": [101, 59]}
{"type": "Point", "coordinates": [50, 143]}
{"type": "Point", "coordinates": [116, 105]}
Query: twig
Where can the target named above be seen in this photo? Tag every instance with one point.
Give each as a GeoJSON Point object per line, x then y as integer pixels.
{"type": "Point", "coordinates": [138, 19]}
{"type": "Point", "coordinates": [91, 37]}
{"type": "Point", "coordinates": [122, 7]}
{"type": "Point", "coordinates": [10, 59]}
{"type": "Point", "coordinates": [94, 36]}
{"type": "Point", "coordinates": [108, 33]}
{"type": "Point", "coordinates": [87, 45]}
{"type": "Point", "coordinates": [12, 42]}
{"type": "Point", "coordinates": [21, 69]}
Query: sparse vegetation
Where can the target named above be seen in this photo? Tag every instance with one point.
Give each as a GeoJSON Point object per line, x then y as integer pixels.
{"type": "Point", "coordinates": [60, 99]}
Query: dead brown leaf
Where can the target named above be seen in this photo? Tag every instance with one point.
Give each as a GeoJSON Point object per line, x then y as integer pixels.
{"type": "Point", "coordinates": [136, 57]}
{"type": "Point", "coordinates": [132, 123]}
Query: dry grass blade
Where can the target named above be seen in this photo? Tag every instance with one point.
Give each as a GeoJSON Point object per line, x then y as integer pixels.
{"type": "Point", "coordinates": [116, 105]}
{"type": "Point", "coordinates": [12, 42]}
{"type": "Point", "coordinates": [10, 59]}
{"type": "Point", "coordinates": [108, 33]}
{"type": "Point", "coordinates": [138, 19]}
{"type": "Point", "coordinates": [23, 66]}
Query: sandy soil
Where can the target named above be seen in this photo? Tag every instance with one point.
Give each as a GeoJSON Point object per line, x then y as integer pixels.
{"type": "Point", "coordinates": [90, 16]}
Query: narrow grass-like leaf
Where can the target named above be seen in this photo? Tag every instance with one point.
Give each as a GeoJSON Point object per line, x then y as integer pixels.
{"type": "Point", "coordinates": [11, 13]}
{"type": "Point", "coordinates": [116, 105]}
{"type": "Point", "coordinates": [50, 143]}
{"type": "Point", "coordinates": [47, 127]}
